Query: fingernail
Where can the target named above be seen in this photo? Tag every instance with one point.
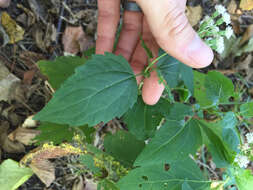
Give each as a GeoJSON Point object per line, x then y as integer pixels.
{"type": "Point", "coordinates": [199, 53]}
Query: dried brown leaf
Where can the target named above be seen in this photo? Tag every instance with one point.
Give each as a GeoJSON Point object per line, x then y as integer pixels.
{"type": "Point", "coordinates": [246, 5]}
{"type": "Point", "coordinates": [15, 32]}
{"type": "Point", "coordinates": [194, 14]}
{"type": "Point", "coordinates": [6, 144]}
{"type": "Point", "coordinates": [45, 170]}
{"type": "Point", "coordinates": [75, 40]}
{"type": "Point", "coordinates": [23, 135]}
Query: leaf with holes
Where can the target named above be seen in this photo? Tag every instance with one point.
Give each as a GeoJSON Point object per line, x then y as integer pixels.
{"type": "Point", "coordinates": [143, 119]}
{"type": "Point", "coordinates": [103, 88]}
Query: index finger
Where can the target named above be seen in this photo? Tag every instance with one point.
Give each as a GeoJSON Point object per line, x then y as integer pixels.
{"type": "Point", "coordinates": [108, 19]}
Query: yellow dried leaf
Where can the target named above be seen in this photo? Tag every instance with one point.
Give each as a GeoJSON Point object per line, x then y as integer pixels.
{"type": "Point", "coordinates": [194, 14]}
{"type": "Point", "coordinates": [246, 5]}
{"type": "Point", "coordinates": [15, 32]}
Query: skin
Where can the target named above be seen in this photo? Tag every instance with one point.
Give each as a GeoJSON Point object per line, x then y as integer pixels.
{"type": "Point", "coordinates": [4, 3]}
{"type": "Point", "coordinates": [162, 24]}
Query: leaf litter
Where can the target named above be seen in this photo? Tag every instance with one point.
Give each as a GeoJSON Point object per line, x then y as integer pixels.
{"type": "Point", "coordinates": [41, 39]}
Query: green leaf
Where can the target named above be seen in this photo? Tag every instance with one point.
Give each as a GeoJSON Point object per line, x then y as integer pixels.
{"type": "Point", "coordinates": [221, 155]}
{"type": "Point", "coordinates": [143, 119]}
{"type": "Point", "coordinates": [103, 88]}
{"type": "Point", "coordinates": [174, 71]}
{"type": "Point", "coordinates": [107, 185]}
{"type": "Point", "coordinates": [186, 186]}
{"type": "Point", "coordinates": [12, 175]}
{"type": "Point", "coordinates": [124, 147]}
{"type": "Point", "coordinates": [218, 87]}
{"type": "Point", "coordinates": [247, 110]}
{"type": "Point", "coordinates": [59, 70]}
{"type": "Point", "coordinates": [229, 131]}
{"type": "Point", "coordinates": [172, 141]}
{"type": "Point", "coordinates": [52, 132]}
{"type": "Point", "coordinates": [212, 88]}
{"type": "Point", "coordinates": [88, 161]}
{"type": "Point", "coordinates": [160, 177]}
{"type": "Point", "coordinates": [200, 89]}
{"type": "Point", "coordinates": [179, 112]}
{"type": "Point", "coordinates": [244, 180]}
{"type": "Point", "coordinates": [56, 133]}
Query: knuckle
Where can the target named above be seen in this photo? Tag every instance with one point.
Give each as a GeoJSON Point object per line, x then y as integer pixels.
{"type": "Point", "coordinates": [176, 22]}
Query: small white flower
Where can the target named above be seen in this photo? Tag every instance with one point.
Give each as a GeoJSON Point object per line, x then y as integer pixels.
{"type": "Point", "coordinates": [220, 9]}
{"type": "Point", "coordinates": [220, 45]}
{"type": "Point", "coordinates": [249, 137]}
{"type": "Point", "coordinates": [226, 18]}
{"type": "Point", "coordinates": [242, 160]}
{"type": "Point", "coordinates": [245, 147]}
{"type": "Point", "coordinates": [229, 32]}
{"type": "Point", "coordinates": [215, 29]}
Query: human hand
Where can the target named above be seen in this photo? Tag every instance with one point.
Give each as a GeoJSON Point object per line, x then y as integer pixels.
{"type": "Point", "coordinates": [164, 24]}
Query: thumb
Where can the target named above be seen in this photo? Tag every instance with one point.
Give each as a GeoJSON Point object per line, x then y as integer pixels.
{"type": "Point", "coordinates": [172, 31]}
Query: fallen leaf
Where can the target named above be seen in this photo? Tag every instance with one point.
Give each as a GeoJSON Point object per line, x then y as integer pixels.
{"type": "Point", "coordinates": [232, 7]}
{"type": "Point", "coordinates": [28, 76]}
{"type": "Point", "coordinates": [29, 122]}
{"type": "Point", "coordinates": [23, 135]}
{"type": "Point", "coordinates": [15, 32]}
{"type": "Point", "coordinates": [8, 83]}
{"type": "Point", "coordinates": [38, 160]}
{"type": "Point", "coordinates": [90, 185]}
{"type": "Point", "coordinates": [5, 143]}
{"type": "Point", "coordinates": [75, 40]}
{"type": "Point", "coordinates": [246, 5]}
{"type": "Point", "coordinates": [247, 35]}
{"type": "Point", "coordinates": [78, 184]}
{"type": "Point", "coordinates": [4, 3]}
{"type": "Point", "coordinates": [45, 170]}
{"type": "Point", "coordinates": [194, 14]}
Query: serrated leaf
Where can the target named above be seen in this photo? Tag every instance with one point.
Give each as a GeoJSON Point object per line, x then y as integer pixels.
{"type": "Point", "coordinates": [173, 140]}
{"type": "Point", "coordinates": [247, 110]}
{"type": "Point", "coordinates": [174, 71]}
{"type": "Point", "coordinates": [12, 175]}
{"type": "Point", "coordinates": [52, 132]}
{"type": "Point", "coordinates": [143, 119]}
{"type": "Point", "coordinates": [213, 140]}
{"type": "Point", "coordinates": [212, 88]}
{"type": "Point", "coordinates": [103, 88]}
{"type": "Point", "coordinates": [218, 87]}
{"type": "Point", "coordinates": [60, 69]}
{"type": "Point", "coordinates": [158, 177]}
{"type": "Point", "coordinates": [124, 147]}
{"type": "Point", "coordinates": [229, 132]}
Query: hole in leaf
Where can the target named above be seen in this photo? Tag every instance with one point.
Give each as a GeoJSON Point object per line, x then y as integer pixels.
{"type": "Point", "coordinates": [145, 178]}
{"type": "Point", "coordinates": [186, 118]}
{"type": "Point", "coordinates": [166, 167]}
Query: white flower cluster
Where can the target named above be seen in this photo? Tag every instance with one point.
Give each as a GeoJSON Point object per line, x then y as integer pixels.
{"type": "Point", "coordinates": [249, 137]}
{"type": "Point", "coordinates": [242, 161]}
{"type": "Point", "coordinates": [210, 31]}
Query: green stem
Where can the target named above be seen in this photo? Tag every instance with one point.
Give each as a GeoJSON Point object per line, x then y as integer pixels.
{"type": "Point", "coordinates": [153, 62]}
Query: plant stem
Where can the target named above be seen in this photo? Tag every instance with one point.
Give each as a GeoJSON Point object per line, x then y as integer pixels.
{"type": "Point", "coordinates": [153, 62]}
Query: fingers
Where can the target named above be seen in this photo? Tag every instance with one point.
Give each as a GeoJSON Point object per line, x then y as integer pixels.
{"type": "Point", "coordinates": [151, 90]}
{"type": "Point", "coordinates": [169, 25]}
{"type": "Point", "coordinates": [132, 26]}
{"type": "Point", "coordinates": [108, 18]}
